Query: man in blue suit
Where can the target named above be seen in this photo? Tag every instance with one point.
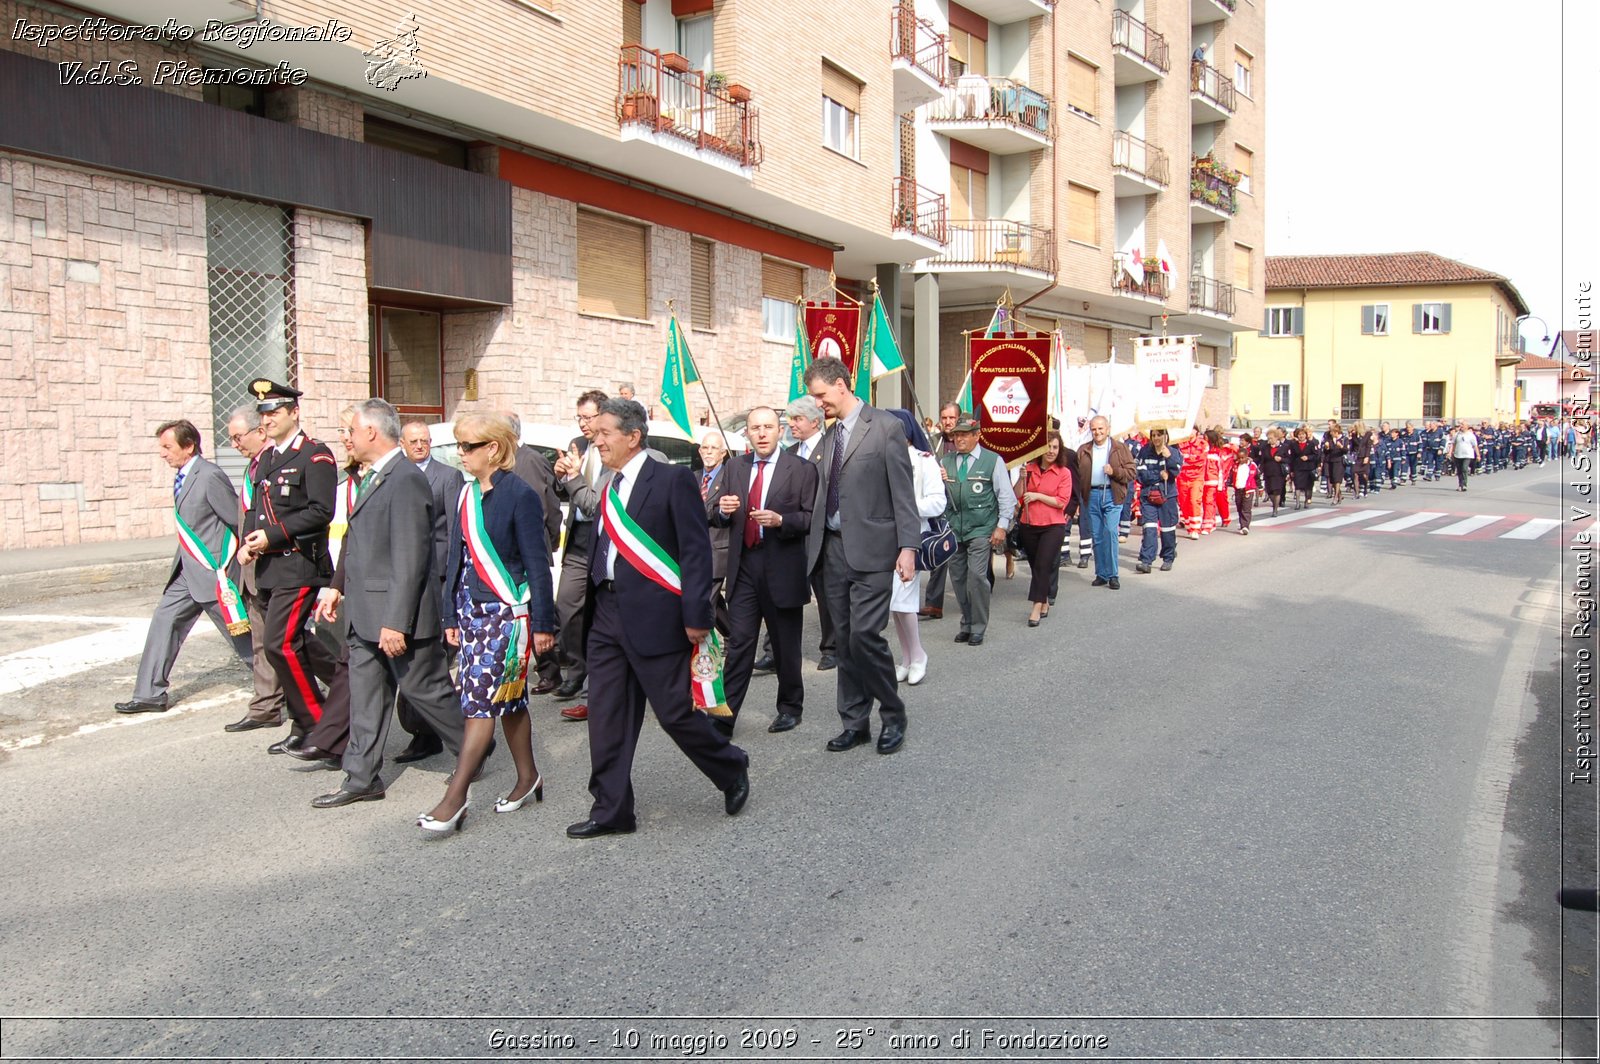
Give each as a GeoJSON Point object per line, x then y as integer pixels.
{"type": "Point", "coordinates": [649, 605]}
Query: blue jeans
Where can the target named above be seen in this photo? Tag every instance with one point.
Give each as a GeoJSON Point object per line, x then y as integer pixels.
{"type": "Point", "coordinates": [1104, 513]}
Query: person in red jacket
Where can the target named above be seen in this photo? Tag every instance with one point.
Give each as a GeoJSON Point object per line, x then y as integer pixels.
{"type": "Point", "coordinates": [1191, 483]}
{"type": "Point", "coordinates": [1219, 463]}
{"type": "Point", "coordinates": [1244, 480]}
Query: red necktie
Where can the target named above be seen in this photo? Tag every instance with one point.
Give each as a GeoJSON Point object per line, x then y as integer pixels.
{"type": "Point", "coordinates": [752, 531]}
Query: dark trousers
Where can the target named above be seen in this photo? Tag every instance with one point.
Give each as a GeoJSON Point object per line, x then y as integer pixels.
{"type": "Point", "coordinates": [421, 676]}
{"type": "Point", "coordinates": [298, 659]}
{"type": "Point", "coordinates": [933, 594]}
{"type": "Point", "coordinates": [1042, 545]}
{"type": "Point", "coordinates": [750, 604]}
{"type": "Point", "coordinates": [1461, 472]}
{"type": "Point", "coordinates": [414, 722]}
{"type": "Point", "coordinates": [620, 682]}
{"type": "Point", "coordinates": [570, 599]}
{"type": "Point", "coordinates": [1243, 499]}
{"type": "Point", "coordinates": [859, 603]}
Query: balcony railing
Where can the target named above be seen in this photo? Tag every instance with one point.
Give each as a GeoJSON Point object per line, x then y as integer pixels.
{"type": "Point", "coordinates": [1212, 85]}
{"type": "Point", "coordinates": [974, 98]}
{"type": "Point", "coordinates": [684, 104]}
{"type": "Point", "coordinates": [918, 210]}
{"type": "Point", "coordinates": [1134, 156]}
{"type": "Point", "coordinates": [1140, 41]}
{"type": "Point", "coordinates": [918, 41]}
{"type": "Point", "coordinates": [1213, 189]}
{"type": "Point", "coordinates": [1000, 242]}
{"type": "Point", "coordinates": [1156, 285]}
{"type": "Point", "coordinates": [1211, 296]}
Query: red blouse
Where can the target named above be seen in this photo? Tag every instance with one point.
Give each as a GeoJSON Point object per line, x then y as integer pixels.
{"type": "Point", "coordinates": [1053, 480]}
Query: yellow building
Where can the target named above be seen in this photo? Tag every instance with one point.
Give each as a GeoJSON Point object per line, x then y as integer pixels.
{"type": "Point", "coordinates": [1391, 337]}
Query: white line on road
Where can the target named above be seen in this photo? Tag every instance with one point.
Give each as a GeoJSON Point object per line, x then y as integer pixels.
{"type": "Point", "coordinates": [1533, 529]}
{"type": "Point", "coordinates": [1400, 524]}
{"type": "Point", "coordinates": [115, 639]}
{"type": "Point", "coordinates": [1350, 518]}
{"type": "Point", "coordinates": [1471, 524]}
{"type": "Point", "coordinates": [9, 745]}
{"type": "Point", "coordinates": [1283, 519]}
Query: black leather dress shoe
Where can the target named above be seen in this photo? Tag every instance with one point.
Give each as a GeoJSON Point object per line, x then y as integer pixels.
{"type": "Point", "coordinates": [1114, 584]}
{"type": "Point", "coordinates": [544, 687]}
{"type": "Point", "coordinates": [826, 663]}
{"type": "Point", "coordinates": [140, 705]}
{"type": "Point", "coordinates": [588, 829]}
{"type": "Point", "coordinates": [975, 641]}
{"type": "Point", "coordinates": [891, 738]}
{"type": "Point", "coordinates": [1098, 581]}
{"type": "Point", "coordinates": [764, 664]}
{"type": "Point", "coordinates": [418, 751]}
{"type": "Point", "coordinates": [784, 722]}
{"type": "Point", "coordinates": [735, 797]}
{"type": "Point", "coordinates": [1083, 563]}
{"type": "Point", "coordinates": [963, 637]}
{"type": "Point", "coordinates": [846, 739]}
{"type": "Point", "coordinates": [283, 746]}
{"type": "Point", "coordinates": [307, 752]}
{"type": "Point", "coordinates": [251, 724]}
{"type": "Point", "coordinates": [343, 797]}
{"type": "Point", "coordinates": [569, 689]}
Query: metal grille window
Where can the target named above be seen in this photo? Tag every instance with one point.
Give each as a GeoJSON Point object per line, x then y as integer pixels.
{"type": "Point", "coordinates": [250, 279]}
{"type": "Point", "coordinates": [1433, 399]}
{"type": "Point", "coordinates": [1350, 402]}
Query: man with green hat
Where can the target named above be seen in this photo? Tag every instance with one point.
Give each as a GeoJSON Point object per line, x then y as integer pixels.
{"type": "Point", "coordinates": [979, 511]}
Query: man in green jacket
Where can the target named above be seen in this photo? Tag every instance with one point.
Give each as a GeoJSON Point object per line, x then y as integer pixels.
{"type": "Point", "coordinates": [980, 509]}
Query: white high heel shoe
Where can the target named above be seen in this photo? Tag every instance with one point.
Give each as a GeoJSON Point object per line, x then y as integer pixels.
{"type": "Point", "coordinates": [506, 805]}
{"type": "Point", "coordinates": [901, 672]}
{"type": "Point", "coordinates": [440, 827]}
{"type": "Point", "coordinates": [915, 672]}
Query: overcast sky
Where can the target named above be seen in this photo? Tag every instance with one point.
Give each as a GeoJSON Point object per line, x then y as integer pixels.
{"type": "Point", "coordinates": [1436, 125]}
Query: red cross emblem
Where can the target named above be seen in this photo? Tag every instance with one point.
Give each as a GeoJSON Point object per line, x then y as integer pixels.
{"type": "Point", "coordinates": [1165, 383]}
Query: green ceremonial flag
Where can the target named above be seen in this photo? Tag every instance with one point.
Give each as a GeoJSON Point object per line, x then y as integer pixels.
{"type": "Point", "coordinates": [675, 376]}
{"type": "Point", "coordinates": [801, 359]}
{"type": "Point", "coordinates": [882, 356]}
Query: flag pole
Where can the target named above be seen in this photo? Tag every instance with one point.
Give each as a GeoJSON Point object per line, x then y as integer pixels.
{"type": "Point", "coordinates": [716, 421]}
{"type": "Point", "coordinates": [905, 367]}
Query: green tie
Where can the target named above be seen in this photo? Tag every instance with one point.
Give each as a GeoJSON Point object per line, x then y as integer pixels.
{"type": "Point", "coordinates": [361, 485]}
{"type": "Point", "coordinates": [961, 467]}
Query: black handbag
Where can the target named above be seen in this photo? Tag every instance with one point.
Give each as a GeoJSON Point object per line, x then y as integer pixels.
{"type": "Point", "coordinates": [938, 545]}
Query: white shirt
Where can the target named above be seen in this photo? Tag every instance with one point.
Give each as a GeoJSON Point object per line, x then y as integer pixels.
{"type": "Point", "coordinates": [756, 462]}
{"type": "Point", "coordinates": [289, 443]}
{"type": "Point", "coordinates": [630, 476]}
{"type": "Point", "coordinates": [1100, 456]}
{"type": "Point", "coordinates": [377, 467]}
{"type": "Point", "coordinates": [850, 423]}
{"type": "Point", "coordinates": [807, 447]}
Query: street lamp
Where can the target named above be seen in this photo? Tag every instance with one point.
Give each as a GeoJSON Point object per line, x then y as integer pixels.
{"type": "Point", "coordinates": [1542, 323]}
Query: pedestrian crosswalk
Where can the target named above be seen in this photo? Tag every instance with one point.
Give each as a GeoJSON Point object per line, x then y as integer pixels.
{"type": "Point", "coordinates": [1522, 527]}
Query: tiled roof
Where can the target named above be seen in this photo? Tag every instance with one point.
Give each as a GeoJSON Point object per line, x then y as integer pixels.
{"type": "Point", "coordinates": [1575, 341]}
{"type": "Point", "coordinates": [1395, 268]}
{"type": "Point", "coordinates": [1540, 362]}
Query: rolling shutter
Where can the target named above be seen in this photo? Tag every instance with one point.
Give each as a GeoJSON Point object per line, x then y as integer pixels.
{"type": "Point", "coordinates": [700, 305]}
{"type": "Point", "coordinates": [1083, 209]}
{"type": "Point", "coordinates": [632, 22]}
{"type": "Point", "coordinates": [781, 280]}
{"type": "Point", "coordinates": [612, 262]}
{"type": "Point", "coordinates": [841, 88]}
{"type": "Point", "coordinates": [1080, 85]}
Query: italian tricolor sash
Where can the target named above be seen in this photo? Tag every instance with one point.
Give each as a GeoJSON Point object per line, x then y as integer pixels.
{"type": "Point", "coordinates": [636, 546]}
{"type": "Point", "coordinates": [228, 599]}
{"type": "Point", "coordinates": [492, 571]}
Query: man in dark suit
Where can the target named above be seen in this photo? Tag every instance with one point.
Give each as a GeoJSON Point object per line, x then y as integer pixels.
{"type": "Point", "coordinates": [535, 470]}
{"type": "Point", "coordinates": [646, 615]}
{"type": "Point", "coordinates": [766, 505]}
{"type": "Point", "coordinates": [207, 519]}
{"type": "Point", "coordinates": [865, 533]}
{"type": "Point", "coordinates": [266, 708]}
{"type": "Point", "coordinates": [578, 476]}
{"type": "Point", "coordinates": [391, 597]}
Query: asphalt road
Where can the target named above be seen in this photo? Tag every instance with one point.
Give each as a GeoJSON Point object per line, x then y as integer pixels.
{"type": "Point", "coordinates": [1296, 798]}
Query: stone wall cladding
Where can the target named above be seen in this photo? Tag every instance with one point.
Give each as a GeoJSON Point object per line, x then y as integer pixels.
{"type": "Point", "coordinates": [321, 111]}
{"type": "Point", "coordinates": [104, 334]}
{"type": "Point", "coordinates": [331, 319]}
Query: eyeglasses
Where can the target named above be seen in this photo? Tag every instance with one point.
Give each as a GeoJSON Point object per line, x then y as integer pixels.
{"type": "Point", "coordinates": [235, 437]}
{"type": "Point", "coordinates": [584, 419]}
{"type": "Point", "coordinates": [468, 446]}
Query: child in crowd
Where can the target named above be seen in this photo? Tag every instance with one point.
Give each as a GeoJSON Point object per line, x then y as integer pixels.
{"type": "Point", "coordinates": [1246, 479]}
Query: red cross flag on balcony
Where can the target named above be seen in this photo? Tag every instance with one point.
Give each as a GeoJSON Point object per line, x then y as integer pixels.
{"type": "Point", "coordinates": [1169, 390]}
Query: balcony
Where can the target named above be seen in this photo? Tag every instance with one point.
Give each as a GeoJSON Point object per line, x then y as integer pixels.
{"type": "Point", "coordinates": [1141, 53]}
{"type": "Point", "coordinates": [1156, 285]}
{"type": "Point", "coordinates": [918, 53]}
{"type": "Point", "coordinates": [1138, 168]}
{"type": "Point", "coordinates": [999, 115]}
{"type": "Point", "coordinates": [919, 212]}
{"type": "Point", "coordinates": [1007, 11]}
{"type": "Point", "coordinates": [1211, 93]}
{"type": "Point", "coordinates": [660, 100]}
{"type": "Point", "coordinates": [1213, 191]}
{"type": "Point", "coordinates": [1207, 295]}
{"type": "Point", "coordinates": [1203, 12]}
{"type": "Point", "coordinates": [986, 253]}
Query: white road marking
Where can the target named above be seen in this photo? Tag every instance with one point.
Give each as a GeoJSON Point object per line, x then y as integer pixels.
{"type": "Point", "coordinates": [1533, 529]}
{"type": "Point", "coordinates": [124, 721]}
{"type": "Point", "coordinates": [115, 639]}
{"type": "Point", "coordinates": [1471, 524]}
{"type": "Point", "coordinates": [1350, 518]}
{"type": "Point", "coordinates": [1285, 518]}
{"type": "Point", "coordinates": [1400, 524]}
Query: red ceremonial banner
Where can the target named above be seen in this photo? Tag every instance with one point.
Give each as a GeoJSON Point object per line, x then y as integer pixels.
{"type": "Point", "coordinates": [834, 329]}
{"type": "Point", "coordinates": [1011, 393]}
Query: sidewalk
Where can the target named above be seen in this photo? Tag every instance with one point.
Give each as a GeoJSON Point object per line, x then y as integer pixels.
{"type": "Point", "coordinates": [29, 577]}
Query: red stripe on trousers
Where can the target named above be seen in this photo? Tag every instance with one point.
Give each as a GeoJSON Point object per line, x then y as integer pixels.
{"type": "Point", "coordinates": [308, 690]}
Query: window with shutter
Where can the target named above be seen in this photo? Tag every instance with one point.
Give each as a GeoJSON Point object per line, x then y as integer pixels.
{"type": "Point", "coordinates": [781, 285]}
{"type": "Point", "coordinates": [1081, 83]}
{"type": "Point", "coordinates": [1243, 161]}
{"type": "Point", "coordinates": [632, 22]}
{"type": "Point", "coordinates": [700, 292]}
{"type": "Point", "coordinates": [841, 106]}
{"type": "Point", "coordinates": [1096, 343]}
{"type": "Point", "coordinates": [1243, 261]}
{"type": "Point", "coordinates": [612, 266]}
{"type": "Point", "coordinates": [1431, 318]}
{"type": "Point", "coordinates": [1243, 62]}
{"type": "Point", "coordinates": [1083, 214]}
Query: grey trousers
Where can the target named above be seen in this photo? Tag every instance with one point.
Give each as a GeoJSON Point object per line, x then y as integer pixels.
{"type": "Point", "coordinates": [175, 614]}
{"type": "Point", "coordinates": [422, 675]}
{"type": "Point", "coordinates": [859, 605]}
{"type": "Point", "coordinates": [969, 576]}
{"type": "Point", "coordinates": [571, 596]}
{"type": "Point", "coordinates": [267, 704]}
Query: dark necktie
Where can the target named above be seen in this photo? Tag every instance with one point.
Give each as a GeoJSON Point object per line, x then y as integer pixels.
{"type": "Point", "coordinates": [177, 485]}
{"type": "Point", "coordinates": [752, 531]}
{"type": "Point", "coordinates": [602, 542]}
{"type": "Point", "coordinates": [841, 437]}
{"type": "Point", "coordinates": [961, 464]}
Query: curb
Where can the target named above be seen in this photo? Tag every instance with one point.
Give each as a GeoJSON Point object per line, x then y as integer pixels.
{"type": "Point", "coordinates": [27, 589]}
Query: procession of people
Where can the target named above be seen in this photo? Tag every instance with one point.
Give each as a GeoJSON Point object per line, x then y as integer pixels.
{"type": "Point", "coordinates": [395, 581]}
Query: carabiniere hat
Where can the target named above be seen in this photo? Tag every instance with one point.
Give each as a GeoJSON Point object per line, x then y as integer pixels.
{"type": "Point", "coordinates": [965, 424]}
{"type": "Point", "coordinates": [269, 395]}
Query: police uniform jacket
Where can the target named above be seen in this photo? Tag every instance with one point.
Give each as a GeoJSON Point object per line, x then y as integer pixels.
{"type": "Point", "coordinates": [294, 504]}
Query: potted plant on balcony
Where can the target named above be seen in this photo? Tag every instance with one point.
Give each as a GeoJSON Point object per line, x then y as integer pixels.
{"type": "Point", "coordinates": [676, 62]}
{"type": "Point", "coordinates": [738, 93]}
{"type": "Point", "coordinates": [638, 107]}
{"type": "Point", "coordinates": [717, 81]}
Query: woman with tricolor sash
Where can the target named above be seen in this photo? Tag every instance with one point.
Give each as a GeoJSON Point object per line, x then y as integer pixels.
{"type": "Point", "coordinates": [504, 608]}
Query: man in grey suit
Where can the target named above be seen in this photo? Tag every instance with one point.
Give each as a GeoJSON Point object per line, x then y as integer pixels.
{"type": "Point", "coordinates": [864, 532]}
{"type": "Point", "coordinates": [207, 507]}
{"type": "Point", "coordinates": [390, 595]}
{"type": "Point", "coordinates": [267, 706]}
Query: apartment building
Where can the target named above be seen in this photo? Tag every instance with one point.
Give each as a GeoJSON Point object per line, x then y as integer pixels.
{"type": "Point", "coordinates": [1384, 337]}
{"type": "Point", "coordinates": [494, 203]}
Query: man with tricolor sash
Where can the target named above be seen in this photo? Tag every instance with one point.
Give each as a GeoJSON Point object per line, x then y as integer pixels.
{"type": "Point", "coordinates": [203, 574]}
{"type": "Point", "coordinates": [649, 609]}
